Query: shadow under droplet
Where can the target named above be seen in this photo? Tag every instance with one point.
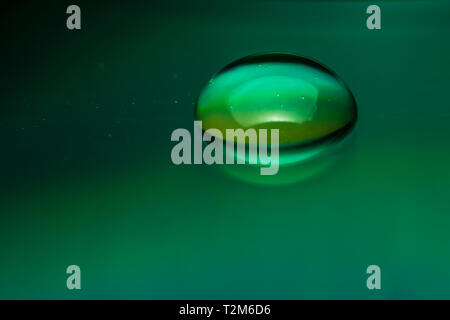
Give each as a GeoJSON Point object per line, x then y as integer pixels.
{"type": "Point", "coordinates": [308, 166]}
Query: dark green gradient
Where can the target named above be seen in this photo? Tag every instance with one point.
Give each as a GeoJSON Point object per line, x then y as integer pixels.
{"type": "Point", "coordinates": [87, 179]}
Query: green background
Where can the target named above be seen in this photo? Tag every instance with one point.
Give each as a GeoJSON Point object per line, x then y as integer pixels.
{"type": "Point", "coordinates": [86, 176]}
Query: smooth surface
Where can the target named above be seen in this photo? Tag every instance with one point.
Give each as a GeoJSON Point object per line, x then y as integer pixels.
{"type": "Point", "coordinates": [86, 176]}
{"type": "Point", "coordinates": [301, 98]}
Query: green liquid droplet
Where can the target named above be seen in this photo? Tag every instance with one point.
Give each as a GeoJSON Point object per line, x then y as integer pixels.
{"type": "Point", "coordinates": [309, 104]}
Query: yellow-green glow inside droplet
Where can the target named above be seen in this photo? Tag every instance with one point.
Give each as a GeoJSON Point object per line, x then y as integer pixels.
{"type": "Point", "coordinates": [309, 104]}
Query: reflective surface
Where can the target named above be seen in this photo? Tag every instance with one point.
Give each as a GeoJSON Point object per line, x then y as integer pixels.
{"type": "Point", "coordinates": [300, 97]}
{"type": "Point", "coordinates": [309, 104]}
{"type": "Point", "coordinates": [141, 228]}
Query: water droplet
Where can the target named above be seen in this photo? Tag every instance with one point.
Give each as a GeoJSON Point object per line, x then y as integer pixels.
{"type": "Point", "coordinates": [268, 98]}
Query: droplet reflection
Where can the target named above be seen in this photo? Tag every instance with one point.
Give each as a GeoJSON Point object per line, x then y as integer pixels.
{"type": "Point", "coordinates": [309, 104]}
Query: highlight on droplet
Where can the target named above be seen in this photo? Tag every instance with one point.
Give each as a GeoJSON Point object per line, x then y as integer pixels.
{"type": "Point", "coordinates": [311, 108]}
